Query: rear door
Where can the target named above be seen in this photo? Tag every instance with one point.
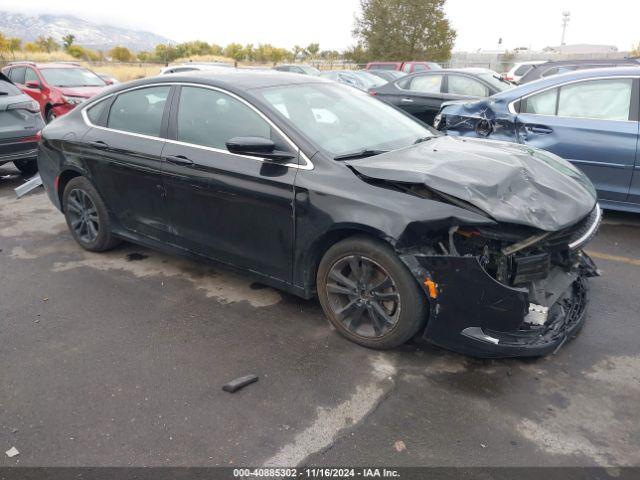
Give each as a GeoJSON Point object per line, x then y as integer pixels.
{"type": "Point", "coordinates": [123, 152]}
{"type": "Point", "coordinates": [591, 123]}
{"type": "Point", "coordinates": [30, 76]}
{"type": "Point", "coordinates": [233, 208]}
{"type": "Point", "coordinates": [419, 95]}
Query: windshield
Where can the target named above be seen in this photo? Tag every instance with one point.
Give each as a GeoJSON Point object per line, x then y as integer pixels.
{"type": "Point", "coordinates": [72, 77]}
{"type": "Point", "coordinates": [341, 120]}
{"type": "Point", "coordinates": [495, 81]}
{"type": "Point", "coordinates": [309, 70]}
{"type": "Point", "coordinates": [370, 80]}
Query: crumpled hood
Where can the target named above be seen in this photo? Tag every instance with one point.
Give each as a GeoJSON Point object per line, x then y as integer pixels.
{"type": "Point", "coordinates": [510, 182]}
{"type": "Point", "coordinates": [86, 92]}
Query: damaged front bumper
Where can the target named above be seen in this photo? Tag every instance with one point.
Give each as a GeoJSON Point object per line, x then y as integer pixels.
{"type": "Point", "coordinates": [474, 314]}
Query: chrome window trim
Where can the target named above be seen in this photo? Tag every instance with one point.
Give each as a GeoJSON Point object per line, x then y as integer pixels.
{"type": "Point", "coordinates": [512, 110]}
{"type": "Point", "coordinates": [307, 166]}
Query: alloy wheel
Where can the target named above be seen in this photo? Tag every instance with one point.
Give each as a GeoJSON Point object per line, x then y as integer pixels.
{"type": "Point", "coordinates": [363, 296]}
{"type": "Point", "coordinates": [83, 216]}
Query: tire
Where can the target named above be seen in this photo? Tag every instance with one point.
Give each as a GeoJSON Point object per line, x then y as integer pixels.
{"type": "Point", "coordinates": [28, 168]}
{"type": "Point", "coordinates": [87, 216]}
{"type": "Point", "coordinates": [369, 295]}
{"type": "Point", "coordinates": [50, 116]}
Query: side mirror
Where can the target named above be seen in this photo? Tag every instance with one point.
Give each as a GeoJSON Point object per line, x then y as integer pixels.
{"type": "Point", "coordinates": [33, 84]}
{"type": "Point", "coordinates": [257, 147]}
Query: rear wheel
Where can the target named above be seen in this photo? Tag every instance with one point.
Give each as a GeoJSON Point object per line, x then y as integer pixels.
{"type": "Point", "coordinates": [87, 216]}
{"type": "Point", "coordinates": [369, 295]}
{"type": "Point", "coordinates": [28, 168]}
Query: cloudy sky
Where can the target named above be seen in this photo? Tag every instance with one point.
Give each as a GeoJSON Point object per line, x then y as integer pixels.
{"type": "Point", "coordinates": [287, 22]}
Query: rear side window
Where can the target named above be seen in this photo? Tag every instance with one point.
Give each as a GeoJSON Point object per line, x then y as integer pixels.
{"type": "Point", "coordinates": [210, 118]}
{"type": "Point", "coordinates": [139, 111]}
{"type": "Point", "coordinates": [17, 75]}
{"type": "Point", "coordinates": [425, 84]}
{"type": "Point", "coordinates": [541, 104]}
{"type": "Point", "coordinates": [460, 85]}
{"type": "Point", "coordinates": [600, 99]}
{"type": "Point", "coordinates": [95, 113]}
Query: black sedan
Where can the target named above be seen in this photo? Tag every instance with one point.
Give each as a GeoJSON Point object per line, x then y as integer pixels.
{"type": "Point", "coordinates": [422, 94]}
{"type": "Point", "coordinates": [318, 189]}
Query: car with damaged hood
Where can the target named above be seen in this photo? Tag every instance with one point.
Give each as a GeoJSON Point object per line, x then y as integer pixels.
{"type": "Point", "coordinates": [319, 189]}
{"type": "Point", "coordinates": [589, 117]}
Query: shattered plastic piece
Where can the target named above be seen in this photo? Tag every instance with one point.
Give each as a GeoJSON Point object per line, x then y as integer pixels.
{"type": "Point", "coordinates": [240, 382]}
{"type": "Point", "coordinates": [31, 184]}
{"type": "Point", "coordinates": [12, 452]}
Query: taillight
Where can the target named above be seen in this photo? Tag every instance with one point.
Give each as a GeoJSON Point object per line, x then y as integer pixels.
{"type": "Point", "coordinates": [30, 106]}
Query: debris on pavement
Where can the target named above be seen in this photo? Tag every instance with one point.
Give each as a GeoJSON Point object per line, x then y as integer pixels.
{"type": "Point", "coordinates": [240, 382]}
{"type": "Point", "coordinates": [12, 452]}
{"type": "Point", "coordinates": [31, 184]}
{"type": "Point", "coordinates": [400, 446]}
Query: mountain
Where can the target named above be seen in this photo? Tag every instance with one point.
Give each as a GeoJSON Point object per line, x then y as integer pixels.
{"type": "Point", "coordinates": [88, 34]}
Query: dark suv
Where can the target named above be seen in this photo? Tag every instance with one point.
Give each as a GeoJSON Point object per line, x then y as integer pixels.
{"type": "Point", "coordinates": [57, 87]}
{"type": "Point", "coordinates": [20, 125]}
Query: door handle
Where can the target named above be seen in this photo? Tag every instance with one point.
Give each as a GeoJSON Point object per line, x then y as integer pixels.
{"type": "Point", "coordinates": [179, 160]}
{"type": "Point", "coordinates": [99, 144]}
{"type": "Point", "coordinates": [407, 100]}
{"type": "Point", "coordinates": [539, 129]}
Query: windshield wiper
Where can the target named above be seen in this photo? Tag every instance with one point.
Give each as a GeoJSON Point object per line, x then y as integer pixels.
{"type": "Point", "coordinates": [423, 139]}
{"type": "Point", "coordinates": [361, 154]}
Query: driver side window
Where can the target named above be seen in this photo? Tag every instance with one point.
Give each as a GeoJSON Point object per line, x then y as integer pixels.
{"type": "Point", "coordinates": [210, 118]}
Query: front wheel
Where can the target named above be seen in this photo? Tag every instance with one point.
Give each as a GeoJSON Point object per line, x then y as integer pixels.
{"type": "Point", "coordinates": [369, 295]}
{"type": "Point", "coordinates": [87, 216]}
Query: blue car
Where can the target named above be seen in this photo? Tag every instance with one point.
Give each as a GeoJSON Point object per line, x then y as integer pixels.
{"type": "Point", "coordinates": [588, 117]}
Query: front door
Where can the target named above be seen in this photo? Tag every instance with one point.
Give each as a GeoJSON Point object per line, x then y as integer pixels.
{"type": "Point", "coordinates": [233, 208]}
{"type": "Point", "coordinates": [123, 153]}
{"type": "Point", "coordinates": [590, 123]}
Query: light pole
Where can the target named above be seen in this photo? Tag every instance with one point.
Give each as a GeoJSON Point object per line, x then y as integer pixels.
{"type": "Point", "coordinates": [566, 16]}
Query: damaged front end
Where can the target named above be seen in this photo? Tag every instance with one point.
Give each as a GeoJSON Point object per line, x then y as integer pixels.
{"type": "Point", "coordinates": [505, 290]}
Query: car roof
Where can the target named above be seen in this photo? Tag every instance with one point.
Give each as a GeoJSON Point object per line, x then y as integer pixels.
{"type": "Point", "coordinates": [231, 79]}
{"type": "Point", "coordinates": [559, 79]}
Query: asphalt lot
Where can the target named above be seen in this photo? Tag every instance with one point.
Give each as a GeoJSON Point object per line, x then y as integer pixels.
{"type": "Point", "coordinates": [119, 359]}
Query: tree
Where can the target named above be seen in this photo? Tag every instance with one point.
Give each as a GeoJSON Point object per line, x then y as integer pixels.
{"type": "Point", "coordinates": [405, 30]}
{"type": "Point", "coordinates": [215, 49]}
{"type": "Point", "coordinates": [76, 51]}
{"type": "Point", "coordinates": [47, 44]}
{"type": "Point", "coordinates": [165, 53]}
{"type": "Point", "coordinates": [235, 51]}
{"type": "Point", "coordinates": [121, 54]}
{"type": "Point", "coordinates": [67, 40]}
{"type": "Point", "coordinates": [297, 50]}
{"type": "Point", "coordinates": [313, 49]}
{"type": "Point", "coordinates": [635, 52]}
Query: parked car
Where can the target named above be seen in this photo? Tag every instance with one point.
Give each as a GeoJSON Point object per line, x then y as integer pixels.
{"type": "Point", "coordinates": [406, 67]}
{"type": "Point", "coordinates": [399, 230]}
{"type": "Point", "coordinates": [387, 75]}
{"type": "Point", "coordinates": [519, 69]}
{"type": "Point", "coordinates": [193, 66]}
{"type": "Point", "coordinates": [20, 125]}
{"type": "Point", "coordinates": [298, 68]}
{"type": "Point", "coordinates": [422, 94]}
{"type": "Point", "coordinates": [356, 78]}
{"type": "Point", "coordinates": [548, 69]}
{"type": "Point", "coordinates": [57, 87]}
{"type": "Point", "coordinates": [589, 117]}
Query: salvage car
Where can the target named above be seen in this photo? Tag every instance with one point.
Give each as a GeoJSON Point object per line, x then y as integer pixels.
{"type": "Point", "coordinates": [589, 117]}
{"type": "Point", "coordinates": [548, 69]}
{"type": "Point", "coordinates": [316, 188]}
{"type": "Point", "coordinates": [20, 125]}
{"type": "Point", "coordinates": [423, 94]}
{"type": "Point", "coordinates": [57, 87]}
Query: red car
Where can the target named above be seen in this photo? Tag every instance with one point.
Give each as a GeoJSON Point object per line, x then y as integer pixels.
{"type": "Point", "coordinates": [57, 87]}
{"type": "Point", "coordinates": [406, 67]}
